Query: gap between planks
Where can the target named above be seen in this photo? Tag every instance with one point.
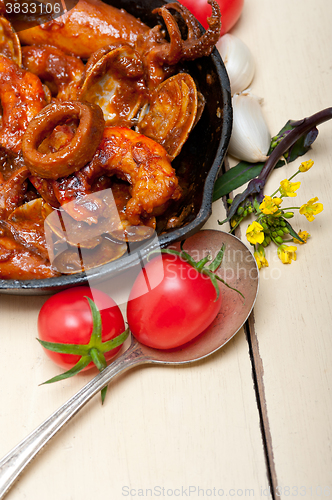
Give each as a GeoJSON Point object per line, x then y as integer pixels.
{"type": "Point", "coordinates": [258, 377]}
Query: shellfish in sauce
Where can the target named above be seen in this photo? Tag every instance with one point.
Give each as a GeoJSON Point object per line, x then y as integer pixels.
{"type": "Point", "coordinates": [95, 107]}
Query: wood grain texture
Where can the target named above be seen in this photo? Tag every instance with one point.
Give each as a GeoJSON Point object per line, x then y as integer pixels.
{"type": "Point", "coordinates": [291, 43]}
{"type": "Point", "coordinates": [160, 430]}
{"type": "Point", "coordinates": [200, 426]}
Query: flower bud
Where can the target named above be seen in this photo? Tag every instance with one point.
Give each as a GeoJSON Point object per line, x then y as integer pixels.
{"type": "Point", "coordinates": [279, 239]}
{"type": "Point", "coordinates": [289, 215]}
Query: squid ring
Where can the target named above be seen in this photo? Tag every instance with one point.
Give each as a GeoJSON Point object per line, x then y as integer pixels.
{"type": "Point", "coordinates": [74, 155]}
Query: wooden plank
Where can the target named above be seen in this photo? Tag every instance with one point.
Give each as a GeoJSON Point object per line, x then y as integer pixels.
{"type": "Point", "coordinates": [163, 430]}
{"type": "Point", "coordinates": [291, 43]}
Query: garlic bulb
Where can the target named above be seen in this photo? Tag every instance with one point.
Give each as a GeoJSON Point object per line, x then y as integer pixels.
{"type": "Point", "coordinates": [250, 139]}
{"type": "Point", "coordinates": [238, 61]}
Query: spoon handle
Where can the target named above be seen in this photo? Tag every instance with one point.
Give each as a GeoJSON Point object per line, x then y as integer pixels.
{"type": "Point", "coordinates": [19, 457]}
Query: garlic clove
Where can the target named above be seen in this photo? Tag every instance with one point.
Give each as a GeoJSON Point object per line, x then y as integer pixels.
{"type": "Point", "coordinates": [250, 139]}
{"type": "Point", "coordinates": [238, 61]}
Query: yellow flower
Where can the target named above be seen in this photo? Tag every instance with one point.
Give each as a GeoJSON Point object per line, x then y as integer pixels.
{"type": "Point", "coordinates": [255, 233]}
{"type": "Point", "coordinates": [305, 165]}
{"type": "Point", "coordinates": [233, 222]}
{"type": "Point", "coordinates": [259, 255]}
{"type": "Point", "coordinates": [304, 235]}
{"type": "Point", "coordinates": [288, 188]}
{"type": "Point", "coordinates": [311, 208]}
{"type": "Point", "coordinates": [287, 253]}
{"type": "Point", "coordinates": [270, 205]}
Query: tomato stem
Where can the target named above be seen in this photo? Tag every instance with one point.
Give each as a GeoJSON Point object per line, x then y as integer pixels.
{"type": "Point", "coordinates": [201, 267]}
{"type": "Point", "coordinates": [93, 351]}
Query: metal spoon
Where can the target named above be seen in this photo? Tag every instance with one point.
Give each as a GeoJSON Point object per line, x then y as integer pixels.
{"type": "Point", "coordinates": [238, 269]}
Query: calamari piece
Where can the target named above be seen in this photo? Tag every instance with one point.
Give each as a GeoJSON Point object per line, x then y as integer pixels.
{"type": "Point", "coordinates": [160, 54]}
{"type": "Point", "coordinates": [10, 45]}
{"type": "Point", "coordinates": [197, 44]}
{"type": "Point", "coordinates": [62, 73]}
{"type": "Point", "coordinates": [22, 97]}
{"type": "Point", "coordinates": [172, 113]}
{"type": "Point", "coordinates": [115, 83]}
{"type": "Point", "coordinates": [92, 25]}
{"type": "Point", "coordinates": [130, 156]}
{"type": "Point", "coordinates": [86, 28]}
{"type": "Point", "coordinates": [73, 156]}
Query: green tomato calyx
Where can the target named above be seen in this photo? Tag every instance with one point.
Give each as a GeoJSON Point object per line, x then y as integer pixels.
{"type": "Point", "coordinates": [93, 351]}
{"type": "Point", "coordinates": [204, 266]}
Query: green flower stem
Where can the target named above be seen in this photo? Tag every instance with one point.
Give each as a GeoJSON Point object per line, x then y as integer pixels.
{"type": "Point", "coordinates": [237, 224]}
{"type": "Point", "coordinates": [275, 192]}
{"type": "Point", "coordinates": [256, 186]}
{"type": "Point", "coordinates": [294, 175]}
{"type": "Point", "coordinates": [291, 177]}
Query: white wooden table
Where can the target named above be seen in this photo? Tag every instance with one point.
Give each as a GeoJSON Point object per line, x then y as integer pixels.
{"type": "Point", "coordinates": [255, 420]}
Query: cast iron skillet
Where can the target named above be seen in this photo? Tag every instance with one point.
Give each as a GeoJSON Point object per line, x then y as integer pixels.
{"type": "Point", "coordinates": [197, 166]}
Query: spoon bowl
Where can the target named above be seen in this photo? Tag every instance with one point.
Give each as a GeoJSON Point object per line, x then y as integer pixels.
{"type": "Point", "coordinates": [238, 270]}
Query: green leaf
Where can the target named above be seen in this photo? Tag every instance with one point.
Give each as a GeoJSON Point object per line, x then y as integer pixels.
{"type": "Point", "coordinates": [96, 322]}
{"type": "Point", "coordinates": [79, 350]}
{"type": "Point", "coordinates": [98, 358]}
{"type": "Point", "coordinates": [292, 232]}
{"type": "Point", "coordinates": [82, 363]}
{"type": "Point", "coordinates": [218, 259]}
{"type": "Point", "coordinates": [229, 286]}
{"type": "Point", "coordinates": [115, 342]}
{"type": "Point", "coordinates": [244, 171]}
{"type": "Point", "coordinates": [103, 394]}
{"type": "Point", "coordinates": [200, 264]}
{"type": "Point", "coordinates": [235, 177]}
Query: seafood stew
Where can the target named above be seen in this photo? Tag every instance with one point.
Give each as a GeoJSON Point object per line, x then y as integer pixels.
{"type": "Point", "coordinates": [184, 203]}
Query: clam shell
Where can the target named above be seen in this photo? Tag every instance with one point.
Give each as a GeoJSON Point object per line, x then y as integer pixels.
{"type": "Point", "coordinates": [115, 83]}
{"type": "Point", "coordinates": [73, 260]}
{"type": "Point", "coordinates": [28, 222]}
{"type": "Point", "coordinates": [172, 113]}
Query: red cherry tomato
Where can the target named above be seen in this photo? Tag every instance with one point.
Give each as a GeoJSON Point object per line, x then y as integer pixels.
{"type": "Point", "coordinates": [66, 318]}
{"type": "Point", "coordinates": [230, 12]}
{"type": "Point", "coordinates": [175, 311]}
